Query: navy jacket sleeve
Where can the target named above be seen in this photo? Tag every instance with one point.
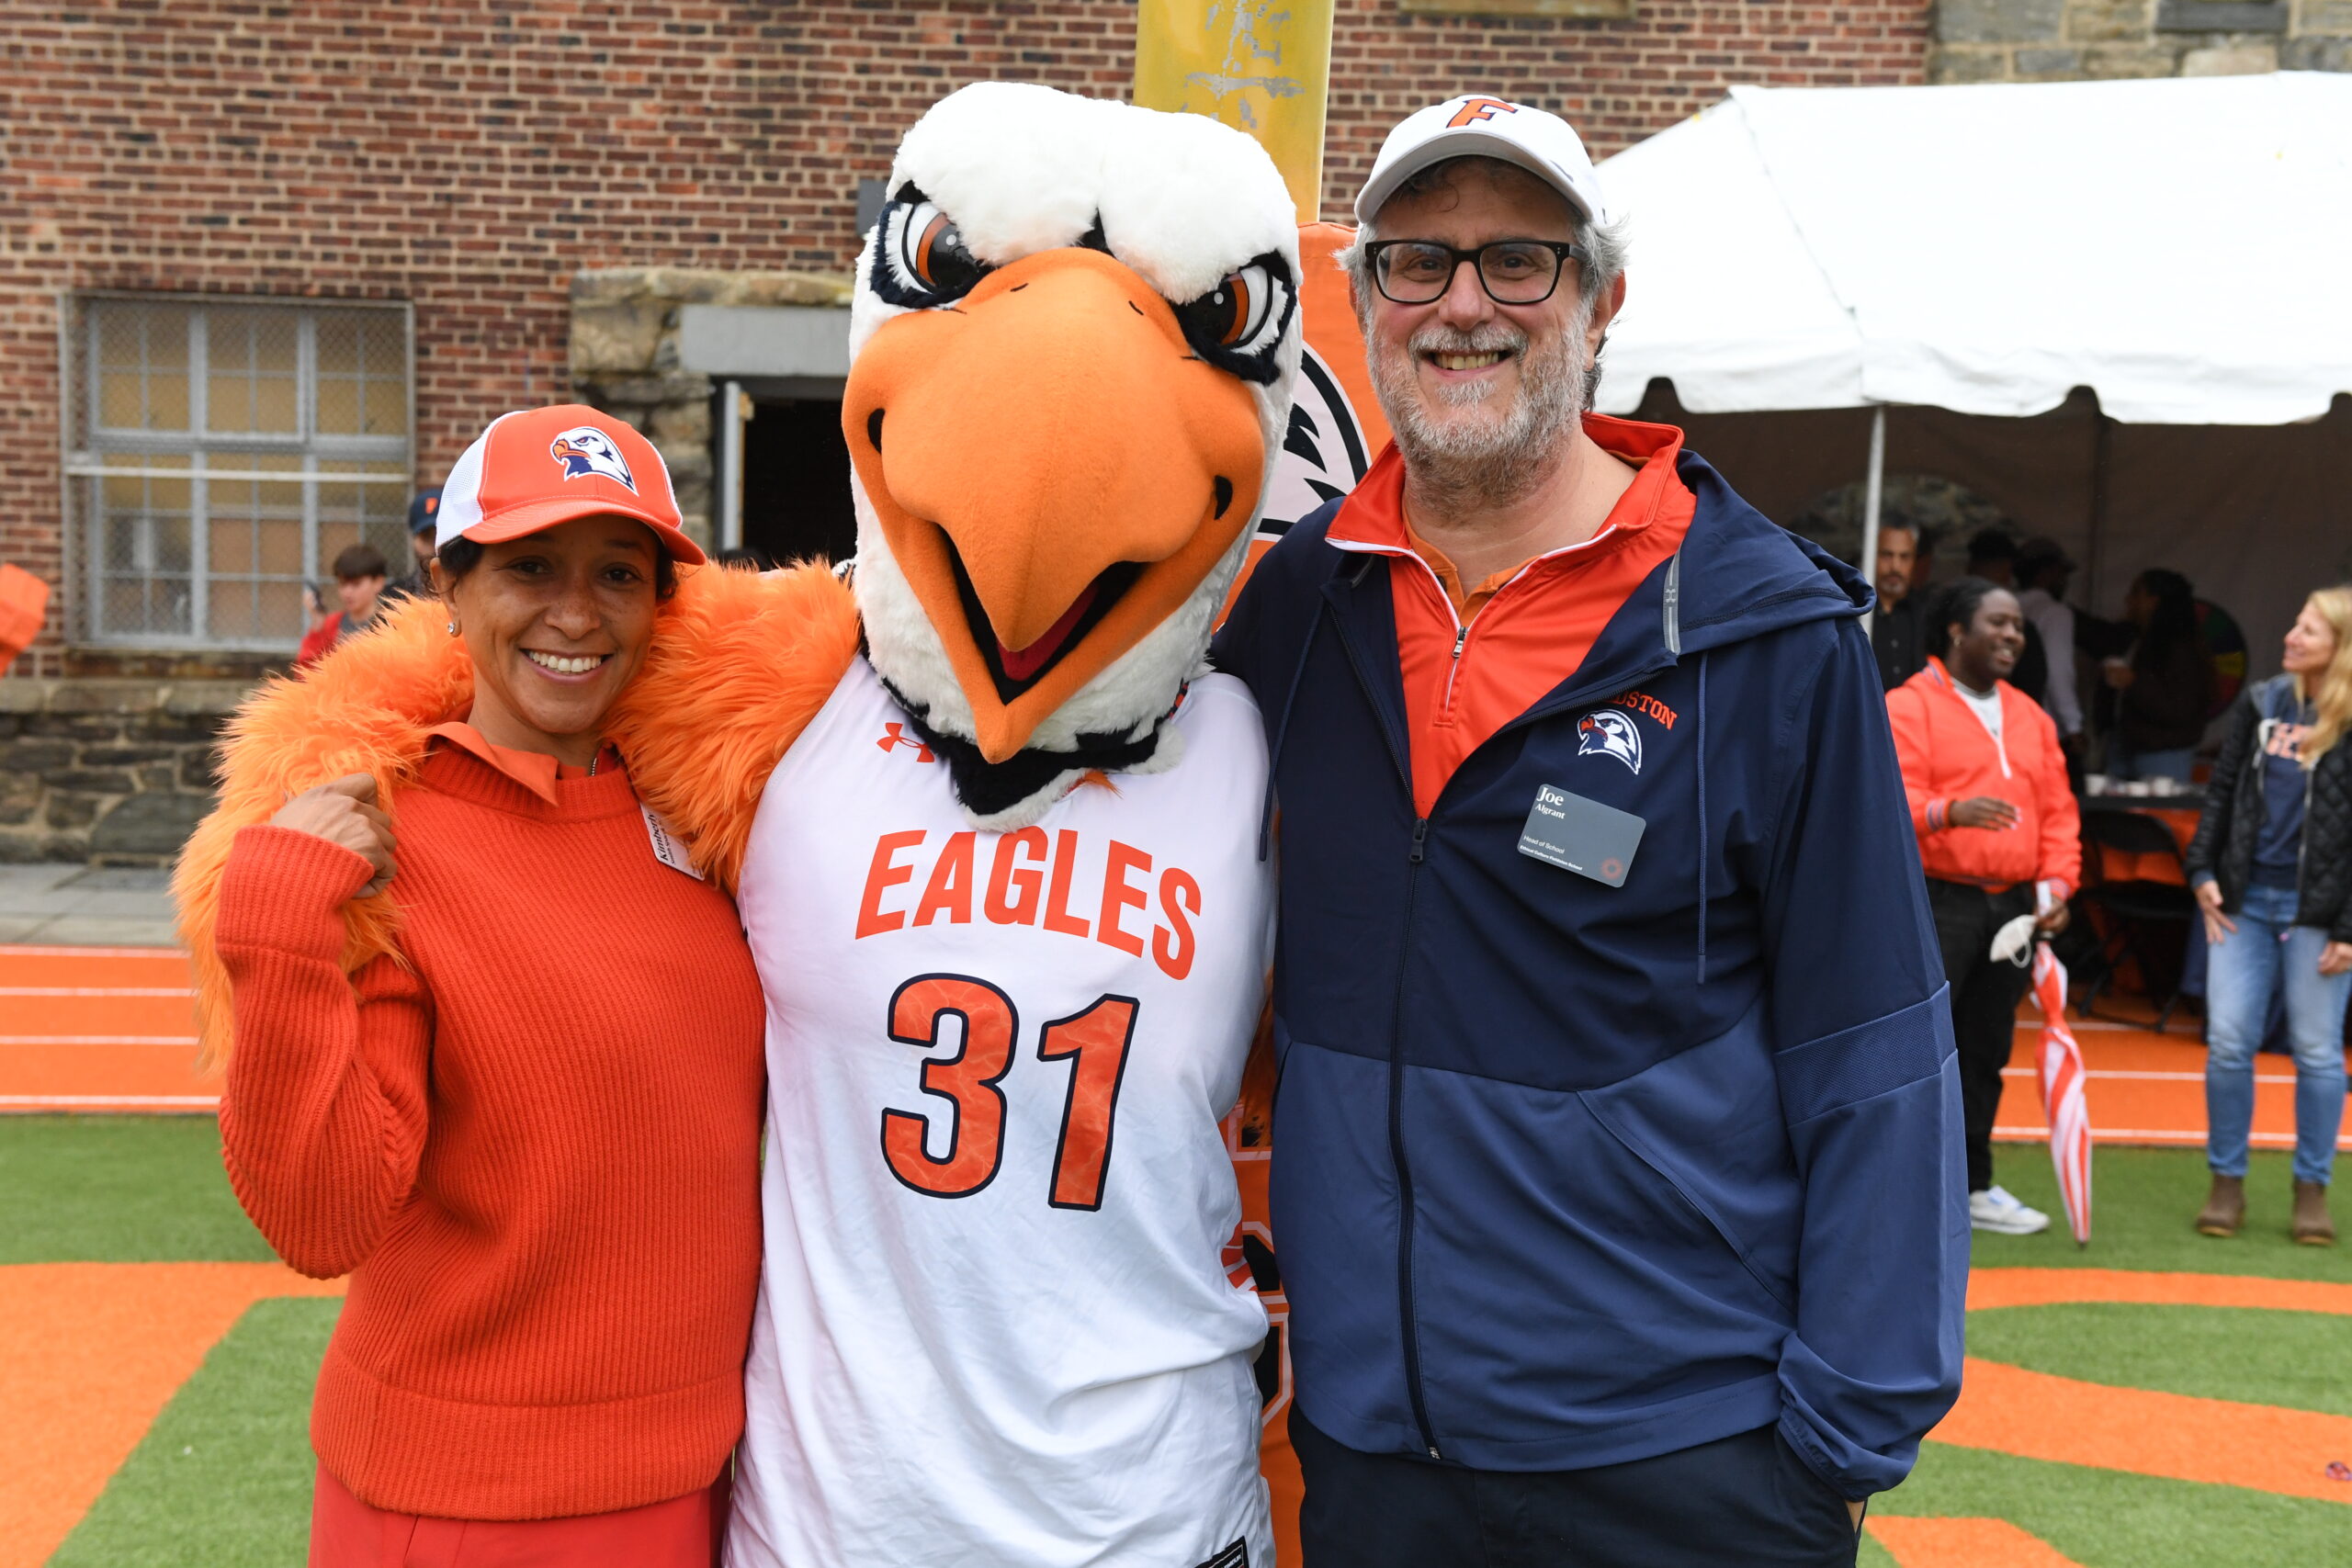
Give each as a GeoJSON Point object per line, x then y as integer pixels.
{"type": "Point", "coordinates": [1870, 1086]}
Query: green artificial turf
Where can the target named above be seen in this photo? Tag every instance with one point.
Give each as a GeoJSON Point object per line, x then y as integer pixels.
{"type": "Point", "coordinates": [2141, 1203]}
{"type": "Point", "coordinates": [2105, 1518]}
{"type": "Point", "coordinates": [2299, 1359]}
{"type": "Point", "coordinates": [222, 1480]}
{"type": "Point", "coordinates": [119, 1189]}
{"type": "Point", "coordinates": [224, 1476]}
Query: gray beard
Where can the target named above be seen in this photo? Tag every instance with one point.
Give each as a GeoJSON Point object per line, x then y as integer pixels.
{"type": "Point", "coordinates": [1460, 464]}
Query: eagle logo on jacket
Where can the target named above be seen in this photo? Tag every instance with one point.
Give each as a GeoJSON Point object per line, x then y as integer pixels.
{"type": "Point", "coordinates": [584, 450]}
{"type": "Point", "coordinates": [1610, 735]}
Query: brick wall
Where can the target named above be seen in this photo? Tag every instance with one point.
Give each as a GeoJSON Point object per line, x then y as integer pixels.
{"type": "Point", "coordinates": [472, 156]}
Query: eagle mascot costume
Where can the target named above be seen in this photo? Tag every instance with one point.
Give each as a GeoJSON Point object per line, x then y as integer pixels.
{"type": "Point", "coordinates": [993, 829]}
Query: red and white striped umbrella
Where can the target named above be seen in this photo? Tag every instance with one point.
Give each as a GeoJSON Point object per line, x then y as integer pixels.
{"type": "Point", "coordinates": [2062, 1093]}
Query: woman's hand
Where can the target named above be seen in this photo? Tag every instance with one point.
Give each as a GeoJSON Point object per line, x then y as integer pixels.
{"type": "Point", "coordinates": [1983, 811]}
{"type": "Point", "coordinates": [2219, 925]}
{"type": "Point", "coordinates": [2336, 958]}
{"type": "Point", "coordinates": [346, 813]}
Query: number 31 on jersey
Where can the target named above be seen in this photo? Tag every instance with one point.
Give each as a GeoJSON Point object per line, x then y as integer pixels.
{"type": "Point", "coordinates": [1093, 1040]}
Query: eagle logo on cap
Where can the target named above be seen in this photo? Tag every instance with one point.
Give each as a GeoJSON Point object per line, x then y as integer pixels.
{"type": "Point", "coordinates": [585, 449]}
{"type": "Point", "coordinates": [1610, 734]}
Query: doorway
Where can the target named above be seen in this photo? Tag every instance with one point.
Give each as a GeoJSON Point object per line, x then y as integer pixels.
{"type": "Point", "coordinates": [795, 481]}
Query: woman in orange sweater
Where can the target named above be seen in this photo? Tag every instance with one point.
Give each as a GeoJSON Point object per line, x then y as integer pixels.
{"type": "Point", "coordinates": [518, 1103]}
{"type": "Point", "coordinates": [1999, 837]}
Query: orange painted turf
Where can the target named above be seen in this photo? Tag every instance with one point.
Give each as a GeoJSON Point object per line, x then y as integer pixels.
{"type": "Point", "coordinates": [1963, 1543]}
{"type": "Point", "coordinates": [2182, 1437]}
{"type": "Point", "coordinates": [89, 1354]}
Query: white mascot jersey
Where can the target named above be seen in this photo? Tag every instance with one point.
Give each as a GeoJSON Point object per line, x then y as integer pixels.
{"type": "Point", "coordinates": [996, 1327]}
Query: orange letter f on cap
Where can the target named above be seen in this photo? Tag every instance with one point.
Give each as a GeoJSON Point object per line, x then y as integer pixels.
{"type": "Point", "coordinates": [1477, 109]}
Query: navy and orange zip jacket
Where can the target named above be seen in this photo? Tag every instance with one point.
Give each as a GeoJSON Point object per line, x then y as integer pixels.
{"type": "Point", "coordinates": [1949, 756]}
{"type": "Point", "coordinates": [1569, 1175]}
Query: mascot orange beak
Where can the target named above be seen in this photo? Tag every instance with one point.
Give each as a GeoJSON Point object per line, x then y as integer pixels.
{"type": "Point", "coordinates": [1055, 472]}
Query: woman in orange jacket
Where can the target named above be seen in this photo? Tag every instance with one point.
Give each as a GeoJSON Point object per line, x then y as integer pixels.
{"type": "Point", "coordinates": [1999, 837]}
{"type": "Point", "coordinates": [512, 1085]}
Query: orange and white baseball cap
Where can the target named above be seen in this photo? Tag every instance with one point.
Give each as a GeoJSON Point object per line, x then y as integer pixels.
{"type": "Point", "coordinates": [1477, 125]}
{"type": "Point", "coordinates": [537, 467]}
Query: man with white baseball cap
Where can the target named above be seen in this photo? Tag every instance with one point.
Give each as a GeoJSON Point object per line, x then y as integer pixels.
{"type": "Point", "coordinates": [1616, 1183]}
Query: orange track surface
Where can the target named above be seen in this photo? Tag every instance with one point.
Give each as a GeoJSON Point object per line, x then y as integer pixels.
{"type": "Point", "coordinates": [98, 1028]}
{"type": "Point", "coordinates": [2144, 1088]}
{"type": "Point", "coordinates": [89, 1354]}
{"type": "Point", "coordinates": [1963, 1543]}
{"type": "Point", "coordinates": [110, 1029]}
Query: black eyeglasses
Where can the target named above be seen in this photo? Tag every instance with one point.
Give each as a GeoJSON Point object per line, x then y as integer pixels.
{"type": "Point", "coordinates": [1513, 272]}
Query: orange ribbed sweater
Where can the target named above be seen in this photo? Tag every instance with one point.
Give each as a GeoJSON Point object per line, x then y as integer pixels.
{"type": "Point", "coordinates": [534, 1149]}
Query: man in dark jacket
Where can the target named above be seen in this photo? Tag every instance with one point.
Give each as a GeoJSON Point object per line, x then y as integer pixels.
{"type": "Point", "coordinates": [1898, 637]}
{"type": "Point", "coordinates": [1617, 1180]}
{"type": "Point", "coordinates": [424, 518]}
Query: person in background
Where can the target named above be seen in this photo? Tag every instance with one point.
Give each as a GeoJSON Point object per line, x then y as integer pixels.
{"type": "Point", "coordinates": [424, 514]}
{"type": "Point", "coordinates": [527, 1124]}
{"type": "Point", "coordinates": [2272, 866]}
{"type": "Point", "coordinates": [359, 574]}
{"type": "Point", "coordinates": [24, 606]}
{"type": "Point", "coordinates": [2163, 686]}
{"type": "Point", "coordinates": [1896, 632]}
{"type": "Point", "coordinates": [1999, 838]}
{"type": "Point", "coordinates": [2043, 569]}
{"type": "Point", "coordinates": [1992, 555]}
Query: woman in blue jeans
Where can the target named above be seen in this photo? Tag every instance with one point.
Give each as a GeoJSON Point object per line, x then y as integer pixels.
{"type": "Point", "coordinates": [2272, 867]}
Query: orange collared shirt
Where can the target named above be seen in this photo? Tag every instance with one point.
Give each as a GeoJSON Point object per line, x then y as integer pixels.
{"type": "Point", "coordinates": [1473, 660]}
{"type": "Point", "coordinates": [535, 770]}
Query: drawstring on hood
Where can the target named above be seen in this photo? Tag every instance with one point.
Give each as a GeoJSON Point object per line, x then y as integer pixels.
{"type": "Point", "coordinates": [1699, 758]}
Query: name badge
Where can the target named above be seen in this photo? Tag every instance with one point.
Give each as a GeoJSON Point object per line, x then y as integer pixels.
{"type": "Point", "coordinates": [666, 846]}
{"type": "Point", "coordinates": [1580, 835]}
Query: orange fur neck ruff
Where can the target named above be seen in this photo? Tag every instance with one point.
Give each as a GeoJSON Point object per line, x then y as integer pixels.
{"type": "Point", "coordinates": [739, 664]}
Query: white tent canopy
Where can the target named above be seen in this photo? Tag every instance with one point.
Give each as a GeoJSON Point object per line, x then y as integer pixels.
{"type": "Point", "coordinates": [2176, 246]}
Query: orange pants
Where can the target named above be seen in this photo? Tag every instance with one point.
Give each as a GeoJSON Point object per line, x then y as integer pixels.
{"type": "Point", "coordinates": [683, 1532]}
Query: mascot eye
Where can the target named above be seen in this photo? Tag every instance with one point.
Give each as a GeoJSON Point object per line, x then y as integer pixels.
{"type": "Point", "coordinates": [1239, 325]}
{"type": "Point", "coordinates": [920, 257]}
{"type": "Point", "coordinates": [936, 251]}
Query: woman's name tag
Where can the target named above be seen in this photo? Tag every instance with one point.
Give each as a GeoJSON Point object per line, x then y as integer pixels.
{"type": "Point", "coordinates": [666, 846]}
{"type": "Point", "coordinates": [1580, 835]}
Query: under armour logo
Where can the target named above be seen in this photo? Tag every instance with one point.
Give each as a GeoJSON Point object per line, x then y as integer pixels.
{"type": "Point", "coordinates": [894, 734]}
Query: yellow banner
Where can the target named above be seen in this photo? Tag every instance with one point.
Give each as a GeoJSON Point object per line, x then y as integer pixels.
{"type": "Point", "coordinates": [1262, 66]}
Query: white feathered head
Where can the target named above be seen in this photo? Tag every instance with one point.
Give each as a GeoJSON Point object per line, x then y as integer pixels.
{"type": "Point", "coordinates": [1072, 344]}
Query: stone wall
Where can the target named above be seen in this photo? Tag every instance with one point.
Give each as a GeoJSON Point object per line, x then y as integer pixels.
{"type": "Point", "coordinates": [625, 357]}
{"type": "Point", "coordinates": [2072, 40]}
{"type": "Point", "coordinates": [113, 771]}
